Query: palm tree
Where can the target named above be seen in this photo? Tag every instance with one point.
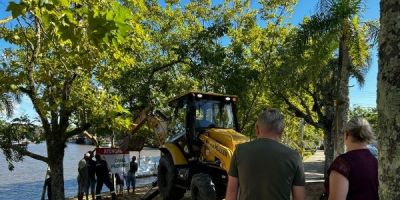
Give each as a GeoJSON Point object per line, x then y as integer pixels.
{"type": "Point", "coordinates": [337, 22]}
{"type": "Point", "coordinates": [7, 103]}
{"type": "Point", "coordinates": [388, 101]}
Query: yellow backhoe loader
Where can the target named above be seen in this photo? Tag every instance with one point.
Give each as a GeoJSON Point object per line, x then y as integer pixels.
{"type": "Point", "coordinates": [203, 134]}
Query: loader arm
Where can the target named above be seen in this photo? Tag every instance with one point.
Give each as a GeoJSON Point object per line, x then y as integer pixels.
{"type": "Point", "coordinates": [158, 124]}
{"type": "Point", "coordinates": [160, 128]}
{"type": "Point", "coordinates": [140, 119]}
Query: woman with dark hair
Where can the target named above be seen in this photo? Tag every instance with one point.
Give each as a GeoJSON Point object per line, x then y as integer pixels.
{"type": "Point", "coordinates": [354, 174]}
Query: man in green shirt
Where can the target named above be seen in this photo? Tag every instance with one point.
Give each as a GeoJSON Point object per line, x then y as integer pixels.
{"type": "Point", "coordinates": [265, 169]}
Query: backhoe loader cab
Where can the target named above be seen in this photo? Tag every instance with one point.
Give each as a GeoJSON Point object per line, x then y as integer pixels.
{"type": "Point", "coordinates": [196, 156]}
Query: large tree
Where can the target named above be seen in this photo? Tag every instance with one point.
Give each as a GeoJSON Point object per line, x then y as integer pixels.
{"type": "Point", "coordinates": [303, 83]}
{"type": "Point", "coordinates": [337, 22]}
{"type": "Point", "coordinates": [57, 60]}
{"type": "Point", "coordinates": [210, 47]}
{"type": "Point", "coordinates": [389, 100]}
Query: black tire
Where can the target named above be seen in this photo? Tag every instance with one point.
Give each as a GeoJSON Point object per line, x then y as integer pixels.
{"type": "Point", "coordinates": [166, 177]}
{"type": "Point", "coordinates": [220, 193]}
{"type": "Point", "coordinates": [202, 187]}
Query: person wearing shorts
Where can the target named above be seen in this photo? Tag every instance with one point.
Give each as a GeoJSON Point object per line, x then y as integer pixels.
{"type": "Point", "coordinates": [131, 179]}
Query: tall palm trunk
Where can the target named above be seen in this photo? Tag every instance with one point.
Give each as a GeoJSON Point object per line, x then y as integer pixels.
{"type": "Point", "coordinates": [342, 97]}
{"type": "Point", "coordinates": [389, 100]}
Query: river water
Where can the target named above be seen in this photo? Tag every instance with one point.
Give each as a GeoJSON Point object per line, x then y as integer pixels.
{"type": "Point", "coordinates": [25, 182]}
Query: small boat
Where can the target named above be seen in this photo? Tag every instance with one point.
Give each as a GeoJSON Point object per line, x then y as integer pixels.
{"type": "Point", "coordinates": [106, 144]}
{"type": "Point", "coordinates": [21, 142]}
{"type": "Point", "coordinates": [80, 140]}
{"type": "Point", "coordinates": [89, 142]}
{"type": "Point", "coordinates": [25, 141]}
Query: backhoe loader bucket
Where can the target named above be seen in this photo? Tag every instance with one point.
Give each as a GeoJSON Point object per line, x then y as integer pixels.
{"type": "Point", "coordinates": [133, 143]}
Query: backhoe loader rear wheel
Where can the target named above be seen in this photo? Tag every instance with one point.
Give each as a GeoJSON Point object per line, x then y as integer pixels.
{"type": "Point", "coordinates": [202, 187]}
{"type": "Point", "coordinates": [166, 179]}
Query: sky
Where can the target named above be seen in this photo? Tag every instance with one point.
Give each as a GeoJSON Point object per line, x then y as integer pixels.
{"type": "Point", "coordinates": [359, 96]}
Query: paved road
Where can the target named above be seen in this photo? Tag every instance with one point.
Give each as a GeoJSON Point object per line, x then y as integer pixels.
{"type": "Point", "coordinates": [314, 166]}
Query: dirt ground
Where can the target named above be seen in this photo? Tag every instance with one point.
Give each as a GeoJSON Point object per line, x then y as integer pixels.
{"type": "Point", "coordinates": [139, 194]}
{"type": "Point", "coordinates": [313, 166]}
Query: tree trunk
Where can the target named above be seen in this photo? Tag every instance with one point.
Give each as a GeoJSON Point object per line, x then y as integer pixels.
{"type": "Point", "coordinates": [328, 149]}
{"type": "Point", "coordinates": [389, 100]}
{"type": "Point", "coordinates": [342, 98]}
{"type": "Point", "coordinates": [55, 151]}
{"type": "Point", "coordinates": [329, 136]}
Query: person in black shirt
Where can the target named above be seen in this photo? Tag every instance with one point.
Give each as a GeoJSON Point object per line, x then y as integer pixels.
{"type": "Point", "coordinates": [103, 177]}
{"type": "Point", "coordinates": [91, 165]}
{"type": "Point", "coordinates": [47, 184]}
{"type": "Point", "coordinates": [131, 179]}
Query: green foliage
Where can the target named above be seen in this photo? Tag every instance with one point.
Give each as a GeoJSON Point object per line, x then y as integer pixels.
{"type": "Point", "coordinates": [215, 48]}
{"type": "Point", "coordinates": [105, 23]}
{"type": "Point", "coordinates": [60, 59]}
{"type": "Point", "coordinates": [370, 114]}
{"type": "Point", "coordinates": [301, 136]}
{"type": "Point", "coordinates": [14, 134]}
{"type": "Point", "coordinates": [7, 104]}
{"type": "Point", "coordinates": [101, 62]}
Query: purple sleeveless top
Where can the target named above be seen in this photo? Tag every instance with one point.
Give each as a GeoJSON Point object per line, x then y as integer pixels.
{"type": "Point", "coordinates": [360, 167]}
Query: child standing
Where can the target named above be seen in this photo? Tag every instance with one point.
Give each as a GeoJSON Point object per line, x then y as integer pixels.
{"type": "Point", "coordinates": [120, 183]}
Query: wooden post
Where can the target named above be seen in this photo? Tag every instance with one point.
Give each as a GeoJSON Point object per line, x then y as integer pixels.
{"type": "Point", "coordinates": [112, 174]}
{"type": "Point", "coordinates": [139, 160]}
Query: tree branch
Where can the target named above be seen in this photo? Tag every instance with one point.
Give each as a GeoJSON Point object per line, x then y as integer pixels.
{"type": "Point", "coordinates": [5, 20]}
{"type": "Point", "coordinates": [38, 106]}
{"type": "Point", "coordinates": [298, 113]}
{"type": "Point", "coordinates": [25, 152]}
{"type": "Point", "coordinates": [265, 61]}
{"type": "Point", "coordinates": [31, 46]}
{"type": "Point", "coordinates": [35, 156]}
{"type": "Point", "coordinates": [31, 90]}
{"type": "Point", "coordinates": [53, 111]}
{"type": "Point", "coordinates": [167, 65]}
{"type": "Point", "coordinates": [303, 103]}
{"type": "Point", "coordinates": [65, 112]}
{"type": "Point", "coordinates": [317, 107]}
{"type": "Point", "coordinates": [76, 131]}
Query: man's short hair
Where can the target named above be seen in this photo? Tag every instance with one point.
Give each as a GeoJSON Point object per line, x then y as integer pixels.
{"type": "Point", "coordinates": [271, 120]}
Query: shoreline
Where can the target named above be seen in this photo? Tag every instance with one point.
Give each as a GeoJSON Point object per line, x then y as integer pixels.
{"type": "Point", "coordinates": [139, 193]}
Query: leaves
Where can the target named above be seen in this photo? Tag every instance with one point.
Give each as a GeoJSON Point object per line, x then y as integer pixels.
{"type": "Point", "coordinates": [59, 59]}
{"type": "Point", "coordinates": [101, 62]}
{"type": "Point", "coordinates": [16, 9]}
